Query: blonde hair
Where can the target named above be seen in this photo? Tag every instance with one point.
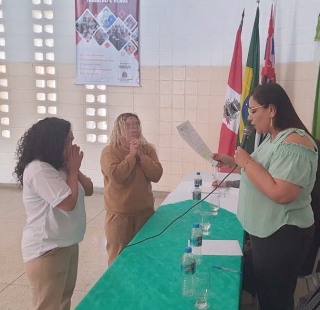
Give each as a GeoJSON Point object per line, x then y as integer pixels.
{"type": "Point", "coordinates": [118, 131]}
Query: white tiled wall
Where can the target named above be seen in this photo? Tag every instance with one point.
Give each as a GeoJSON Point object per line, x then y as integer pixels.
{"type": "Point", "coordinates": [186, 49]}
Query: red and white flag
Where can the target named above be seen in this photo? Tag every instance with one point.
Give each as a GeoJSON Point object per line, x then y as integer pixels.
{"type": "Point", "coordinates": [268, 74]}
{"type": "Point", "coordinates": [231, 115]}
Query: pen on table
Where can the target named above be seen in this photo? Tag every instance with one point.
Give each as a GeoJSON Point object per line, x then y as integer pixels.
{"type": "Point", "coordinates": [226, 269]}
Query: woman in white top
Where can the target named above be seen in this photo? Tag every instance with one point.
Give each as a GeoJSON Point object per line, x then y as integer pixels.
{"type": "Point", "coordinates": [53, 195]}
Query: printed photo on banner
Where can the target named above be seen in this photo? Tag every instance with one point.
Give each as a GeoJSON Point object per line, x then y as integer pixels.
{"type": "Point", "coordinates": [107, 40]}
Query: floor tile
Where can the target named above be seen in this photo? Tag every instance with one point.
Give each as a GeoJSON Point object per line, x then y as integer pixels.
{"type": "Point", "coordinates": [77, 297]}
{"type": "Point", "coordinates": [92, 258]}
{"type": "Point", "coordinates": [2, 286]}
{"type": "Point", "coordinates": [159, 200]}
{"type": "Point", "coordinates": [15, 297]}
{"type": "Point", "coordinates": [8, 193]}
{"type": "Point", "coordinates": [13, 211]}
{"type": "Point", "coordinates": [22, 280]}
{"type": "Point", "coordinates": [98, 221]}
{"type": "Point", "coordinates": [94, 206]}
{"type": "Point", "coordinates": [10, 239]}
{"type": "Point", "coordinates": [11, 268]}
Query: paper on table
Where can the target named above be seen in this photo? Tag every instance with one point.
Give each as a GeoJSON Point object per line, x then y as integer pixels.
{"type": "Point", "coordinates": [189, 134]}
{"type": "Point", "coordinates": [221, 247]}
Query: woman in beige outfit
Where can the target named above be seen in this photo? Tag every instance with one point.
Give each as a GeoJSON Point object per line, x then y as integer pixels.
{"type": "Point", "coordinates": [129, 164]}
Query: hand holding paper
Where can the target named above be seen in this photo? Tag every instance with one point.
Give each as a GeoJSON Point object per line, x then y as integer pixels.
{"type": "Point", "coordinates": [189, 134]}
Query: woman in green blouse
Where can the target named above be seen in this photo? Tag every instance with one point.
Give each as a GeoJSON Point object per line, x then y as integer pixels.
{"type": "Point", "coordinates": [274, 200]}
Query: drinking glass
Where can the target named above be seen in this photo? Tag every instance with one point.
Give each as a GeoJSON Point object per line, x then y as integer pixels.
{"type": "Point", "coordinates": [215, 204]}
{"type": "Point", "coordinates": [215, 173]}
{"type": "Point", "coordinates": [202, 290]}
{"type": "Point", "coordinates": [205, 222]}
{"type": "Point", "coordinates": [224, 189]}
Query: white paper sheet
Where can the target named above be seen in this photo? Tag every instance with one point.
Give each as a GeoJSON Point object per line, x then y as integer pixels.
{"type": "Point", "coordinates": [221, 247]}
{"type": "Point", "coordinates": [189, 134]}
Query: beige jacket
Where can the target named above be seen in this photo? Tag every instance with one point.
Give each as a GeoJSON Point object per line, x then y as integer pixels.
{"type": "Point", "coordinates": [127, 180]}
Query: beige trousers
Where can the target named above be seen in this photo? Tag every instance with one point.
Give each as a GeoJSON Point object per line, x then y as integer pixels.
{"type": "Point", "coordinates": [120, 229]}
{"type": "Point", "coordinates": [52, 278]}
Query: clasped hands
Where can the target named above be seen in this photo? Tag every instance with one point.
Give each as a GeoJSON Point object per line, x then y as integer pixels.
{"type": "Point", "coordinates": [136, 149]}
{"type": "Point", "coordinates": [73, 158]}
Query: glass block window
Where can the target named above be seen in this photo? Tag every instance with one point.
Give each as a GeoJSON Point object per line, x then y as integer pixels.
{"type": "Point", "coordinates": [41, 109]}
{"type": "Point", "coordinates": [102, 112]}
{"type": "Point", "coordinates": [49, 42]}
{"type": "Point", "coordinates": [43, 15]}
{"type": "Point", "coordinates": [40, 83]}
{"type": "Point", "coordinates": [38, 42]}
{"type": "Point", "coordinates": [4, 95]}
{"type": "Point", "coordinates": [4, 82]}
{"type": "Point", "coordinates": [102, 138]}
{"type": "Point", "coordinates": [5, 134]}
{"type": "Point", "coordinates": [52, 110]}
{"type": "Point", "coordinates": [52, 83]}
{"type": "Point", "coordinates": [91, 138]}
{"type": "Point", "coordinates": [4, 108]}
{"type": "Point", "coordinates": [90, 112]}
{"type": "Point", "coordinates": [5, 121]}
{"type": "Point", "coordinates": [102, 125]}
{"type": "Point", "coordinates": [96, 113]}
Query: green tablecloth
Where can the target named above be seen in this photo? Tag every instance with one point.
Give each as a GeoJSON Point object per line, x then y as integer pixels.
{"type": "Point", "coordinates": [148, 276]}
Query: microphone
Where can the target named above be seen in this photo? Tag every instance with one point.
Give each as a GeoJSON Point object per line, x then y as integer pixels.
{"type": "Point", "coordinates": [247, 130]}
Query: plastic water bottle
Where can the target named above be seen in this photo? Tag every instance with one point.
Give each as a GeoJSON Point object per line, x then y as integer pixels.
{"type": "Point", "coordinates": [198, 179]}
{"type": "Point", "coordinates": [188, 269]}
{"type": "Point", "coordinates": [196, 194]}
{"type": "Point", "coordinates": [196, 242]}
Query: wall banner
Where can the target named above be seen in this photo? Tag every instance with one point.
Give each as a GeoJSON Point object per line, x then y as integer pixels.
{"type": "Point", "coordinates": [107, 38]}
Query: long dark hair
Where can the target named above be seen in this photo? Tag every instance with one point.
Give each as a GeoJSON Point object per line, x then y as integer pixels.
{"type": "Point", "coordinates": [286, 116]}
{"type": "Point", "coordinates": [44, 141]}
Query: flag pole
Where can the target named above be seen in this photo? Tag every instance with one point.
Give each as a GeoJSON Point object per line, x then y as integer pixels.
{"type": "Point", "coordinates": [274, 12]}
{"type": "Point", "coordinates": [242, 17]}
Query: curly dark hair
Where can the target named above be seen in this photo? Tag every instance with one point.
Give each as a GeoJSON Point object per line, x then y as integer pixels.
{"type": "Point", "coordinates": [44, 141]}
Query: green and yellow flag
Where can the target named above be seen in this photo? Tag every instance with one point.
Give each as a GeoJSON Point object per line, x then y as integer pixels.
{"type": "Point", "coordinates": [316, 112]}
{"type": "Point", "coordinates": [251, 81]}
{"type": "Point", "coordinates": [317, 37]}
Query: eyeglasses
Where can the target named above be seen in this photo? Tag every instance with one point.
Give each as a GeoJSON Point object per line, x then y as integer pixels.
{"type": "Point", "coordinates": [250, 110]}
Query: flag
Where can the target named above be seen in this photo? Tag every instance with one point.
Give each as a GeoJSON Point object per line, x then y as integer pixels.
{"type": "Point", "coordinates": [316, 112]}
{"type": "Point", "coordinates": [251, 80]}
{"type": "Point", "coordinates": [268, 72]}
{"type": "Point", "coordinates": [230, 122]}
{"type": "Point", "coordinates": [317, 37]}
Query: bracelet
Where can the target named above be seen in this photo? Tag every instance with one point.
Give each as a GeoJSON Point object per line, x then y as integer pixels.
{"type": "Point", "coordinates": [245, 164]}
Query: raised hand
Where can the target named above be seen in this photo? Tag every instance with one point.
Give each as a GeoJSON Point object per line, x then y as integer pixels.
{"type": "Point", "coordinates": [224, 161]}
{"type": "Point", "coordinates": [241, 157]}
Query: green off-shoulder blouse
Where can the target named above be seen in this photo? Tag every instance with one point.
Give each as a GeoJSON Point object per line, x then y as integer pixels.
{"type": "Point", "coordinates": [290, 162]}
